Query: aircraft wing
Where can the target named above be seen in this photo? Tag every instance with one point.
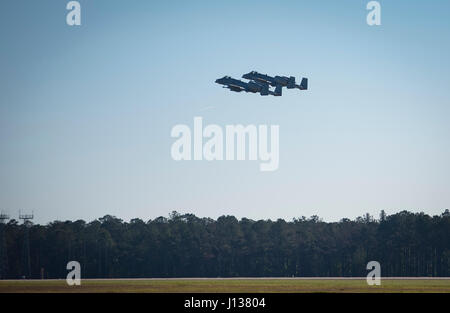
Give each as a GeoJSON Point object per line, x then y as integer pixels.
{"type": "Point", "coordinates": [234, 88]}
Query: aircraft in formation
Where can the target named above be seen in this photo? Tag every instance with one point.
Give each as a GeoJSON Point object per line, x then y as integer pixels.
{"type": "Point", "coordinates": [261, 83]}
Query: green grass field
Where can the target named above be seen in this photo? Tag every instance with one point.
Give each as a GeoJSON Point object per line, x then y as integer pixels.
{"type": "Point", "coordinates": [227, 286]}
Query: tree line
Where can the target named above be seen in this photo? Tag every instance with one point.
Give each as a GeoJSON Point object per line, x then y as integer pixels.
{"type": "Point", "coordinates": [183, 245]}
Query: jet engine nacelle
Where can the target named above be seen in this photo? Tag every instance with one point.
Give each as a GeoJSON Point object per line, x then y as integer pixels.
{"type": "Point", "coordinates": [283, 80]}
{"type": "Point", "coordinates": [263, 89]}
{"type": "Point", "coordinates": [291, 83]}
{"type": "Point", "coordinates": [254, 87]}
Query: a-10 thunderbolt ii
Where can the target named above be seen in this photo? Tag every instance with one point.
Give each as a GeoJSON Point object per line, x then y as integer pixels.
{"type": "Point", "coordinates": [260, 83]}
{"type": "Point", "coordinates": [252, 86]}
{"type": "Point", "coordinates": [288, 82]}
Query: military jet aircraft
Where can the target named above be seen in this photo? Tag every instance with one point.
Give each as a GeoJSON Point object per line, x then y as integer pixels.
{"type": "Point", "coordinates": [288, 82]}
{"type": "Point", "coordinates": [252, 86]}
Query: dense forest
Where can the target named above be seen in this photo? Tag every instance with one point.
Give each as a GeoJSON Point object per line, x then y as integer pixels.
{"type": "Point", "coordinates": [183, 245]}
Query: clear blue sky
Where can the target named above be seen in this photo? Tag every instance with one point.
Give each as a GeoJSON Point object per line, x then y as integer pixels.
{"type": "Point", "coordinates": [86, 112]}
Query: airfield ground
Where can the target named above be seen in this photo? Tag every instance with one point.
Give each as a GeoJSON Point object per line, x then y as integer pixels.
{"type": "Point", "coordinates": [238, 285]}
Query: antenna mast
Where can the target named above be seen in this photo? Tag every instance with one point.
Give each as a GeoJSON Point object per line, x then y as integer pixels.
{"type": "Point", "coordinates": [26, 264]}
{"type": "Point", "coordinates": [3, 252]}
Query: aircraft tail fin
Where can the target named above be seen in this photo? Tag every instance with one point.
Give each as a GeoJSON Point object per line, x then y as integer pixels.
{"type": "Point", "coordinates": [304, 84]}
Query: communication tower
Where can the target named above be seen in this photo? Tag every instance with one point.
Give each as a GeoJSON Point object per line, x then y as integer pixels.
{"type": "Point", "coordinates": [26, 264]}
{"type": "Point", "coordinates": [3, 252]}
